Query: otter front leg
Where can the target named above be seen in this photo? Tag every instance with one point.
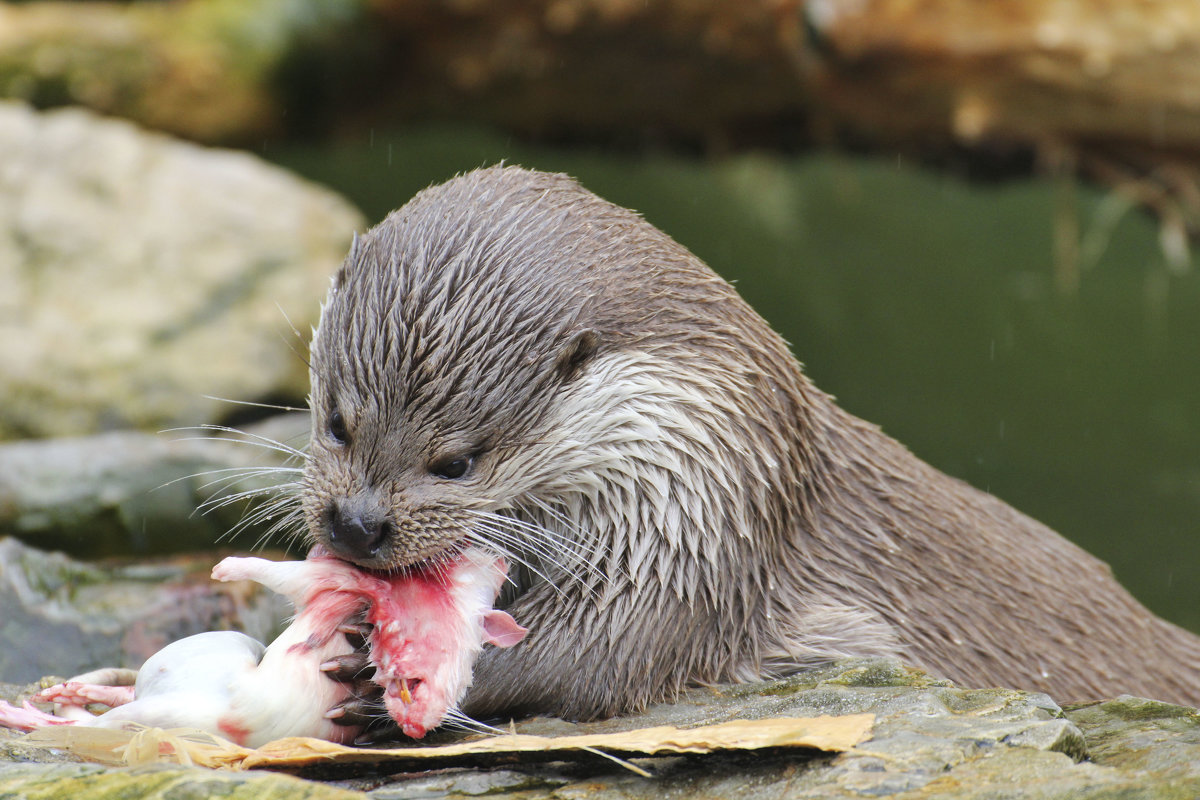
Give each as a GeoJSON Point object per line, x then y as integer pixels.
{"type": "Point", "coordinates": [364, 706]}
{"type": "Point", "coordinates": [605, 656]}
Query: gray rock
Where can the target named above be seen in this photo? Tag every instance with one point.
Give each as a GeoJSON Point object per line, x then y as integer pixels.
{"type": "Point", "coordinates": [77, 781]}
{"type": "Point", "coordinates": [140, 275]}
{"type": "Point", "coordinates": [471, 783]}
{"type": "Point", "coordinates": [131, 493]}
{"type": "Point", "coordinates": [1142, 736]}
{"type": "Point", "coordinates": [930, 740]}
{"type": "Point", "coordinates": [62, 617]}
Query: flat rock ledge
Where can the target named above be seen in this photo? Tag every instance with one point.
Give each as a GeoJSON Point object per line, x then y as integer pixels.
{"type": "Point", "coordinates": [134, 494]}
{"type": "Point", "coordinates": [930, 740]}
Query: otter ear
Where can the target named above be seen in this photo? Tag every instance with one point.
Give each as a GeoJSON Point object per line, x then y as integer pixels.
{"type": "Point", "coordinates": [576, 352]}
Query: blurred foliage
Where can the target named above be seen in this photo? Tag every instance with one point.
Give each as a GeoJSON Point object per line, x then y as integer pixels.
{"type": "Point", "coordinates": [204, 70]}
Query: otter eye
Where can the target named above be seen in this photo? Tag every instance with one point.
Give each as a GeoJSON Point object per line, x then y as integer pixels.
{"type": "Point", "coordinates": [337, 428]}
{"type": "Point", "coordinates": [451, 468]}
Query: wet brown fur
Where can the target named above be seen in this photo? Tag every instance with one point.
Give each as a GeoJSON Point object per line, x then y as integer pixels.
{"type": "Point", "coordinates": [613, 391]}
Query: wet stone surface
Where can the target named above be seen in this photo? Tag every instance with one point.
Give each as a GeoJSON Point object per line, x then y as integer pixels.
{"type": "Point", "coordinates": [59, 616]}
{"type": "Point", "coordinates": [930, 740]}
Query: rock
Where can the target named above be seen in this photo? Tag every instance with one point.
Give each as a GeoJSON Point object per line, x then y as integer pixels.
{"type": "Point", "coordinates": [1142, 736]}
{"type": "Point", "coordinates": [140, 276]}
{"type": "Point", "coordinates": [925, 729]}
{"type": "Point", "coordinates": [930, 740]}
{"type": "Point", "coordinates": [171, 783]}
{"type": "Point", "coordinates": [64, 617]}
{"type": "Point", "coordinates": [130, 493]}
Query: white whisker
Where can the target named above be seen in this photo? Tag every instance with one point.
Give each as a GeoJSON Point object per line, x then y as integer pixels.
{"type": "Point", "coordinates": [239, 474]}
{"type": "Point", "coordinates": [247, 438]}
{"type": "Point", "coordinates": [533, 548]}
{"type": "Point", "coordinates": [572, 557]}
{"type": "Point", "coordinates": [457, 719]}
{"type": "Point", "coordinates": [251, 403]}
{"type": "Point", "coordinates": [480, 539]}
{"type": "Point", "coordinates": [271, 506]}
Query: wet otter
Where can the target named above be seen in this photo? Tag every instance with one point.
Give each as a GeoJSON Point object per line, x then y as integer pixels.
{"type": "Point", "coordinates": [510, 360]}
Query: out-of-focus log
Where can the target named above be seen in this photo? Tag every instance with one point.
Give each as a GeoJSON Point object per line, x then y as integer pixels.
{"type": "Point", "coordinates": [708, 72]}
{"type": "Point", "coordinates": [1112, 84]}
{"type": "Point", "coordinates": [1110, 88]}
{"type": "Point", "coordinates": [1076, 71]}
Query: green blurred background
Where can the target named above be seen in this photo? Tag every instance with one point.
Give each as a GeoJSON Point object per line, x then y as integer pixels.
{"type": "Point", "coordinates": [928, 305]}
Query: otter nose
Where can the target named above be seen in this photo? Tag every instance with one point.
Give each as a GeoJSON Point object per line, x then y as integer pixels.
{"type": "Point", "coordinates": [356, 533]}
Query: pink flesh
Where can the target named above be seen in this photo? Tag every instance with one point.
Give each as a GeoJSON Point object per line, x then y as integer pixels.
{"type": "Point", "coordinates": [429, 627]}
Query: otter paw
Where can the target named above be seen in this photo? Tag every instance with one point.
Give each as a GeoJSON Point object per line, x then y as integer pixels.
{"type": "Point", "coordinates": [349, 668]}
{"type": "Point", "coordinates": [358, 710]}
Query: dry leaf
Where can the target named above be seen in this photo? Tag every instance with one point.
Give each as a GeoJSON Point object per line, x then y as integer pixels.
{"type": "Point", "coordinates": [832, 734]}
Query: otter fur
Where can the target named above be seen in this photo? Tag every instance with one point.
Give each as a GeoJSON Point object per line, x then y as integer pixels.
{"type": "Point", "coordinates": [509, 360]}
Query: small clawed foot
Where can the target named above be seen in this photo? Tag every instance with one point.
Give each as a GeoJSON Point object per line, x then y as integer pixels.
{"type": "Point", "coordinates": [356, 632]}
{"type": "Point", "coordinates": [356, 711]}
{"type": "Point", "coordinates": [348, 668]}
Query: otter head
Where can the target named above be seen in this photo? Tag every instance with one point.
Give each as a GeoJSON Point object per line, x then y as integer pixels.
{"type": "Point", "coordinates": [510, 344]}
{"type": "Point", "coordinates": [446, 336]}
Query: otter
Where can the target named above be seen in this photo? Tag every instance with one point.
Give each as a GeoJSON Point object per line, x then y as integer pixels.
{"type": "Point", "coordinates": [510, 361]}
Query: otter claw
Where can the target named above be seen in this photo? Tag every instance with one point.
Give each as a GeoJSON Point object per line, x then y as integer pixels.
{"type": "Point", "coordinates": [377, 733]}
{"type": "Point", "coordinates": [357, 633]}
{"type": "Point", "coordinates": [355, 712]}
{"type": "Point", "coordinates": [346, 668]}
